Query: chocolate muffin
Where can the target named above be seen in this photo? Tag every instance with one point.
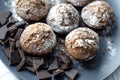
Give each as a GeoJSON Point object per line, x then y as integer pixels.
{"type": "Point", "coordinates": [97, 14]}
{"type": "Point", "coordinates": [79, 3]}
{"type": "Point", "coordinates": [63, 18]}
{"type": "Point", "coordinates": [38, 39]}
{"type": "Point", "coordinates": [32, 10]}
{"type": "Point", "coordinates": [82, 43]}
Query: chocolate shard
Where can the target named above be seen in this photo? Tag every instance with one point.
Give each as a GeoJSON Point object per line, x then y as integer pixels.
{"type": "Point", "coordinates": [18, 34]}
{"type": "Point", "coordinates": [57, 72]}
{"type": "Point", "coordinates": [6, 51]}
{"type": "Point", "coordinates": [37, 62]}
{"type": "Point", "coordinates": [20, 24]}
{"type": "Point", "coordinates": [54, 65]}
{"type": "Point", "coordinates": [12, 44]}
{"type": "Point", "coordinates": [20, 65]}
{"type": "Point", "coordinates": [4, 15]}
{"type": "Point", "coordinates": [29, 60]}
{"type": "Point", "coordinates": [12, 29]}
{"type": "Point", "coordinates": [65, 67]}
{"type": "Point", "coordinates": [65, 59]}
{"type": "Point", "coordinates": [14, 57]}
{"type": "Point", "coordinates": [71, 74]}
{"type": "Point", "coordinates": [21, 52]}
{"type": "Point", "coordinates": [43, 75]}
{"type": "Point", "coordinates": [30, 68]}
{"type": "Point", "coordinates": [3, 31]}
{"type": "Point", "coordinates": [17, 44]}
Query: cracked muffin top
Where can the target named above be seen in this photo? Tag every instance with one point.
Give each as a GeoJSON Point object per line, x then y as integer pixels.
{"type": "Point", "coordinates": [32, 10]}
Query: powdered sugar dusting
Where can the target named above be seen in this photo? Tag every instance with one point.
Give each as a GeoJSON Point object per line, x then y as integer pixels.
{"type": "Point", "coordinates": [97, 14]}
{"type": "Point", "coordinates": [63, 18]}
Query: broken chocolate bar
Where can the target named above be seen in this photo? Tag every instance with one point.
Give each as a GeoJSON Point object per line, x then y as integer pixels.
{"type": "Point", "coordinates": [20, 65]}
{"type": "Point", "coordinates": [14, 57]}
{"type": "Point", "coordinates": [54, 65]}
{"type": "Point", "coordinates": [37, 62]}
{"type": "Point", "coordinates": [71, 74]}
{"type": "Point", "coordinates": [17, 36]}
{"type": "Point", "coordinates": [6, 51]}
{"type": "Point", "coordinates": [65, 59]}
{"type": "Point", "coordinates": [44, 75]}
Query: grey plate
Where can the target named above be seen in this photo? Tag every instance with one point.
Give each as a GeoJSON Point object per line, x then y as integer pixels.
{"type": "Point", "coordinates": [106, 62]}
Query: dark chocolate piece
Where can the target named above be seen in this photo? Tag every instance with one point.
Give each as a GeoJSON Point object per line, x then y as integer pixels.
{"type": "Point", "coordinates": [31, 69]}
{"type": "Point", "coordinates": [20, 24]}
{"type": "Point", "coordinates": [12, 28]}
{"type": "Point", "coordinates": [12, 44]}
{"type": "Point", "coordinates": [6, 51]}
{"type": "Point", "coordinates": [21, 52]}
{"type": "Point", "coordinates": [4, 15]}
{"type": "Point", "coordinates": [43, 75]}
{"type": "Point", "coordinates": [71, 74]}
{"type": "Point", "coordinates": [57, 72]}
{"type": "Point", "coordinates": [17, 36]}
{"type": "Point", "coordinates": [17, 44]}
{"type": "Point", "coordinates": [65, 67]}
{"type": "Point", "coordinates": [65, 59]}
{"type": "Point", "coordinates": [14, 57]}
{"type": "Point", "coordinates": [37, 62]}
{"type": "Point", "coordinates": [20, 65]}
{"type": "Point", "coordinates": [3, 31]}
{"type": "Point", "coordinates": [30, 59]}
{"type": "Point", "coordinates": [54, 65]}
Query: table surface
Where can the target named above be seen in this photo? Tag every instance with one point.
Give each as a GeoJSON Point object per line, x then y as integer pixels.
{"type": "Point", "coordinates": [5, 74]}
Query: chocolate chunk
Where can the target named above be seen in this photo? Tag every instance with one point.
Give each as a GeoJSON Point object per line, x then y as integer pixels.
{"type": "Point", "coordinates": [12, 44]}
{"type": "Point", "coordinates": [65, 59]}
{"type": "Point", "coordinates": [20, 24]}
{"type": "Point", "coordinates": [65, 67]}
{"type": "Point", "coordinates": [20, 65]}
{"type": "Point", "coordinates": [12, 28]}
{"type": "Point", "coordinates": [14, 57]}
{"type": "Point", "coordinates": [30, 60]}
{"type": "Point", "coordinates": [6, 51]}
{"type": "Point", "coordinates": [3, 31]}
{"type": "Point", "coordinates": [17, 36]}
{"type": "Point", "coordinates": [57, 72]}
{"type": "Point", "coordinates": [4, 15]}
{"type": "Point", "coordinates": [37, 62]}
{"type": "Point", "coordinates": [43, 75]}
{"type": "Point", "coordinates": [17, 44]}
{"type": "Point", "coordinates": [21, 52]}
{"type": "Point", "coordinates": [71, 74]}
{"type": "Point", "coordinates": [31, 69]}
{"type": "Point", "coordinates": [54, 65]}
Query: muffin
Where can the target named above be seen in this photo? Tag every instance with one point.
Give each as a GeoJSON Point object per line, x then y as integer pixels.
{"type": "Point", "coordinates": [32, 10]}
{"type": "Point", "coordinates": [63, 18]}
{"type": "Point", "coordinates": [79, 3]}
{"type": "Point", "coordinates": [82, 43]}
{"type": "Point", "coordinates": [97, 14]}
{"type": "Point", "coordinates": [38, 39]}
